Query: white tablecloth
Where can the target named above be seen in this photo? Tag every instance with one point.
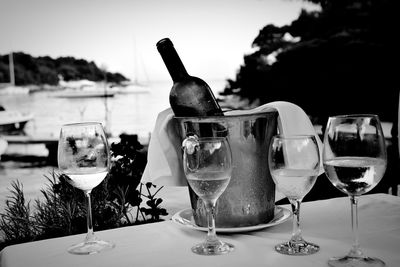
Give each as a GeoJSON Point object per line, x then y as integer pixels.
{"type": "Point", "coordinates": [325, 222]}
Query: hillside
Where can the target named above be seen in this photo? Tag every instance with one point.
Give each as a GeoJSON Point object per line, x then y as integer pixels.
{"type": "Point", "coordinates": [46, 70]}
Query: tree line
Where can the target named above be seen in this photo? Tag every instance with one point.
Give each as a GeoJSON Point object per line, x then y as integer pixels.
{"type": "Point", "coordinates": [29, 70]}
{"type": "Point", "coordinates": [341, 59]}
{"type": "Point", "coordinates": [336, 60]}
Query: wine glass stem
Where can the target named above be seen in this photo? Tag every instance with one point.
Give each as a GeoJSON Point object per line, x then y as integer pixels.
{"type": "Point", "coordinates": [296, 233]}
{"type": "Point", "coordinates": [211, 235]}
{"type": "Point", "coordinates": [355, 250]}
{"type": "Point", "coordinates": [90, 234]}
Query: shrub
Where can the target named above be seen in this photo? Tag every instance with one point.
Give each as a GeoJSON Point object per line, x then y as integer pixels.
{"type": "Point", "coordinates": [116, 202]}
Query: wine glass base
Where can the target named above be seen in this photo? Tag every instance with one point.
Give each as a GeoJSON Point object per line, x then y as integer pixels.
{"type": "Point", "coordinates": [90, 247]}
{"type": "Point", "coordinates": [297, 248]}
{"type": "Point", "coordinates": [215, 248]}
{"type": "Point", "coordinates": [355, 261]}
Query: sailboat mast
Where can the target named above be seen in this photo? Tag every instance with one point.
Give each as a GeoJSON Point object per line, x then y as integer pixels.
{"type": "Point", "coordinates": [135, 62]}
{"type": "Point", "coordinates": [11, 66]}
{"type": "Point", "coordinates": [107, 126]}
{"type": "Point", "coordinates": [136, 80]}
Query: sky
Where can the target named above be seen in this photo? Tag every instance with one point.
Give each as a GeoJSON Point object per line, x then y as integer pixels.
{"type": "Point", "coordinates": [211, 36]}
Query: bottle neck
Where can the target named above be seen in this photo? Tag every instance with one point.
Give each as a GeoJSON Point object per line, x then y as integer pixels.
{"type": "Point", "coordinates": [171, 60]}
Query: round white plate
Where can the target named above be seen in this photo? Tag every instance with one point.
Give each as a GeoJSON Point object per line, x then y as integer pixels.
{"type": "Point", "coordinates": [185, 217]}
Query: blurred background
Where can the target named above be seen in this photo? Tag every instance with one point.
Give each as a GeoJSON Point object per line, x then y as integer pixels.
{"type": "Point", "coordinates": [70, 61]}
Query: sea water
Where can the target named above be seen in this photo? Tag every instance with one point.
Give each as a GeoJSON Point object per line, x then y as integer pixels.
{"type": "Point", "coordinates": [133, 113]}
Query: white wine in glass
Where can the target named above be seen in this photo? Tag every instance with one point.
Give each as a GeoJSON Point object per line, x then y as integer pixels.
{"type": "Point", "coordinates": [355, 160]}
{"type": "Point", "coordinates": [294, 163]}
{"type": "Point", "coordinates": [84, 157]}
{"type": "Point", "coordinates": [207, 163]}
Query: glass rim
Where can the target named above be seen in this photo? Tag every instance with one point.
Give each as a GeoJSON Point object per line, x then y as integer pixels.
{"type": "Point", "coordinates": [209, 138]}
{"type": "Point", "coordinates": [357, 115]}
{"type": "Point", "coordinates": [82, 123]}
{"type": "Point", "coordinates": [294, 136]}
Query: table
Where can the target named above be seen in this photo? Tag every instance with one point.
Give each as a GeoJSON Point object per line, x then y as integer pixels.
{"type": "Point", "coordinates": [325, 222]}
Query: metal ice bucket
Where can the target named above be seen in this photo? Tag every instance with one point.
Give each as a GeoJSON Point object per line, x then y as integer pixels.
{"type": "Point", "coordinates": [250, 196]}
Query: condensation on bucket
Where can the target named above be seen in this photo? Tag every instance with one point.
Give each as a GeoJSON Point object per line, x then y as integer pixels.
{"type": "Point", "coordinates": [250, 196]}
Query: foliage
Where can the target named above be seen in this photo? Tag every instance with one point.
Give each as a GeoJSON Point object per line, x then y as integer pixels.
{"type": "Point", "coordinates": [339, 61]}
{"type": "Point", "coordinates": [154, 211]}
{"type": "Point", "coordinates": [336, 60]}
{"type": "Point", "coordinates": [17, 222]}
{"type": "Point", "coordinates": [116, 202]}
{"type": "Point", "coordinates": [46, 70]}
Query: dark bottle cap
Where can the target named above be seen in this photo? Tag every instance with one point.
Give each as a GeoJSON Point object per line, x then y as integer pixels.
{"type": "Point", "coordinates": [164, 42]}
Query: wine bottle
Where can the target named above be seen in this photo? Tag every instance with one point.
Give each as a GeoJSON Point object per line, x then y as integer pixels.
{"type": "Point", "coordinates": [189, 95]}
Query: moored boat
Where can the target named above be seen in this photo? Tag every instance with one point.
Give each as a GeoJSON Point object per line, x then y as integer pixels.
{"type": "Point", "coordinates": [74, 93]}
{"type": "Point", "coordinates": [14, 90]}
{"type": "Point", "coordinates": [13, 121]}
{"type": "Point", "coordinates": [130, 89]}
{"type": "Point", "coordinates": [3, 146]}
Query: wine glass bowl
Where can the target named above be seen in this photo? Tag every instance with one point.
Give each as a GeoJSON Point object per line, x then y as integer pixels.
{"type": "Point", "coordinates": [84, 158]}
{"type": "Point", "coordinates": [294, 163]}
{"type": "Point", "coordinates": [354, 159]}
{"type": "Point", "coordinates": [207, 163]}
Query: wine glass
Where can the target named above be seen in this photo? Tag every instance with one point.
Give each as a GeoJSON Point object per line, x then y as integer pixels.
{"type": "Point", "coordinates": [207, 163]}
{"type": "Point", "coordinates": [294, 163]}
{"type": "Point", "coordinates": [84, 157]}
{"type": "Point", "coordinates": [354, 159]}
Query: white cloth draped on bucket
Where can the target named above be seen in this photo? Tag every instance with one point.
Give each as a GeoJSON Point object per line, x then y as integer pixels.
{"type": "Point", "coordinates": [164, 160]}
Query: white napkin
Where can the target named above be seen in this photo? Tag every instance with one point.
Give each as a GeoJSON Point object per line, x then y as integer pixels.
{"type": "Point", "coordinates": [164, 159]}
